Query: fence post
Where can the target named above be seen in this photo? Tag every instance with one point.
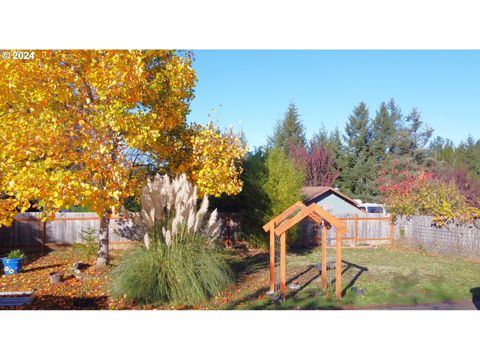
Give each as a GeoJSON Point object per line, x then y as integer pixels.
{"type": "Point", "coordinates": [355, 227]}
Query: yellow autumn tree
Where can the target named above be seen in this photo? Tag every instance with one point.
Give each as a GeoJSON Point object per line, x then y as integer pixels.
{"type": "Point", "coordinates": [76, 128]}
{"type": "Point", "coordinates": [217, 155]}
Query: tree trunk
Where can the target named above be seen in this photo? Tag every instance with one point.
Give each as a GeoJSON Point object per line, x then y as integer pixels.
{"type": "Point", "coordinates": [103, 240]}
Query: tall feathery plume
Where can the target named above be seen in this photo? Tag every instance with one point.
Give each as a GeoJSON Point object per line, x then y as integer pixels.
{"type": "Point", "coordinates": [191, 220]}
{"type": "Point", "coordinates": [175, 222]}
{"type": "Point", "coordinates": [151, 215]}
{"type": "Point", "coordinates": [213, 226]}
{"type": "Point", "coordinates": [168, 238]}
{"type": "Point", "coordinates": [172, 203]}
{"type": "Point", "coordinates": [201, 213]}
{"type": "Point", "coordinates": [215, 230]}
{"type": "Point", "coordinates": [146, 240]}
{"type": "Point", "coordinates": [147, 219]}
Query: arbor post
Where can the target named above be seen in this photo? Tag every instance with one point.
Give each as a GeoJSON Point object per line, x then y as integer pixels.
{"type": "Point", "coordinates": [283, 265]}
{"type": "Point", "coordinates": [272, 258]}
{"type": "Point", "coordinates": [338, 266]}
{"type": "Point", "coordinates": [324, 255]}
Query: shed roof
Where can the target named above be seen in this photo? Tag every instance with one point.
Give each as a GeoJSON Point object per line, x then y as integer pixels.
{"type": "Point", "coordinates": [312, 192]}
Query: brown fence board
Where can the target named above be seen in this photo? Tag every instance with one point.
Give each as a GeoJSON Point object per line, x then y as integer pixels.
{"type": "Point", "coordinates": [28, 231]}
{"type": "Point", "coordinates": [364, 229]}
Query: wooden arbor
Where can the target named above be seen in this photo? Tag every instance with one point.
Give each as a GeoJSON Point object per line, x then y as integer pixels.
{"type": "Point", "coordinates": [290, 217]}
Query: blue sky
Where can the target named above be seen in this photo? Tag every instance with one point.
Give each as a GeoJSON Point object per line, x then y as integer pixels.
{"type": "Point", "coordinates": [250, 90]}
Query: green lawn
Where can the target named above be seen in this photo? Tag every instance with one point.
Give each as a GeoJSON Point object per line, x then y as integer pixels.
{"type": "Point", "coordinates": [384, 275]}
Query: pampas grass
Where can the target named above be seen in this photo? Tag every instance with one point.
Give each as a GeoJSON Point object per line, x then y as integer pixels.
{"type": "Point", "coordinates": [179, 262]}
{"type": "Point", "coordinates": [185, 274]}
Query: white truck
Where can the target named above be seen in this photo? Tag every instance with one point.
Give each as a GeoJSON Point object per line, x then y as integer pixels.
{"type": "Point", "coordinates": [372, 208]}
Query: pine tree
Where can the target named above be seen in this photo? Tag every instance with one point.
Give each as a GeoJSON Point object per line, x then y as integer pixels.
{"type": "Point", "coordinates": [332, 142]}
{"type": "Point", "coordinates": [463, 160]}
{"type": "Point", "coordinates": [443, 150]}
{"type": "Point", "coordinates": [383, 133]}
{"type": "Point", "coordinates": [359, 175]}
{"type": "Point", "coordinates": [288, 131]}
{"type": "Point", "coordinates": [468, 156]}
{"type": "Point", "coordinates": [361, 178]}
{"type": "Point", "coordinates": [321, 137]}
{"type": "Point", "coordinates": [418, 136]}
{"type": "Point", "coordinates": [357, 130]}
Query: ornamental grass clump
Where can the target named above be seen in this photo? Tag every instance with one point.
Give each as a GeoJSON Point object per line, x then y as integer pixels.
{"type": "Point", "coordinates": [180, 261]}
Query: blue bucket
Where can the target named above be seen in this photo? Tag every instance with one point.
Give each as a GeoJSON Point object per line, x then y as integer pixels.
{"type": "Point", "coordinates": [11, 266]}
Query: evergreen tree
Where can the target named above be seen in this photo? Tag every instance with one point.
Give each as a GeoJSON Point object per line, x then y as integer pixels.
{"type": "Point", "coordinates": [467, 156]}
{"type": "Point", "coordinates": [357, 131]}
{"type": "Point", "coordinates": [361, 178]}
{"type": "Point", "coordinates": [443, 150]}
{"type": "Point", "coordinates": [418, 136]}
{"type": "Point", "coordinates": [333, 143]}
{"type": "Point", "coordinates": [399, 142]}
{"type": "Point", "coordinates": [288, 131]}
{"type": "Point", "coordinates": [321, 137]}
{"type": "Point", "coordinates": [463, 161]}
{"type": "Point", "coordinates": [359, 175]}
{"type": "Point", "coordinates": [383, 134]}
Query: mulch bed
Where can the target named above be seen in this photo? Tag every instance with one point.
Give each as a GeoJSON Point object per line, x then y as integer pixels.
{"type": "Point", "coordinates": [91, 291]}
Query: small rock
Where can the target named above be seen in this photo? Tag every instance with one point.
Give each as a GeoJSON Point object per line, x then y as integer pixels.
{"type": "Point", "coordinates": [56, 277]}
{"type": "Point", "coordinates": [79, 266]}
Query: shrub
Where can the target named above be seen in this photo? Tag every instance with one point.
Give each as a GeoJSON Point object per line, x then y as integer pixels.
{"type": "Point", "coordinates": [179, 261]}
{"type": "Point", "coordinates": [419, 193]}
{"type": "Point", "coordinates": [182, 274]}
{"type": "Point", "coordinates": [89, 245]}
{"type": "Point", "coordinates": [252, 203]}
{"type": "Point", "coordinates": [283, 186]}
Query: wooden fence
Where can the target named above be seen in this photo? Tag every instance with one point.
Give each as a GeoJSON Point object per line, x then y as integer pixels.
{"type": "Point", "coordinates": [419, 233]}
{"type": "Point", "coordinates": [28, 231]}
{"type": "Point", "coordinates": [366, 229]}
